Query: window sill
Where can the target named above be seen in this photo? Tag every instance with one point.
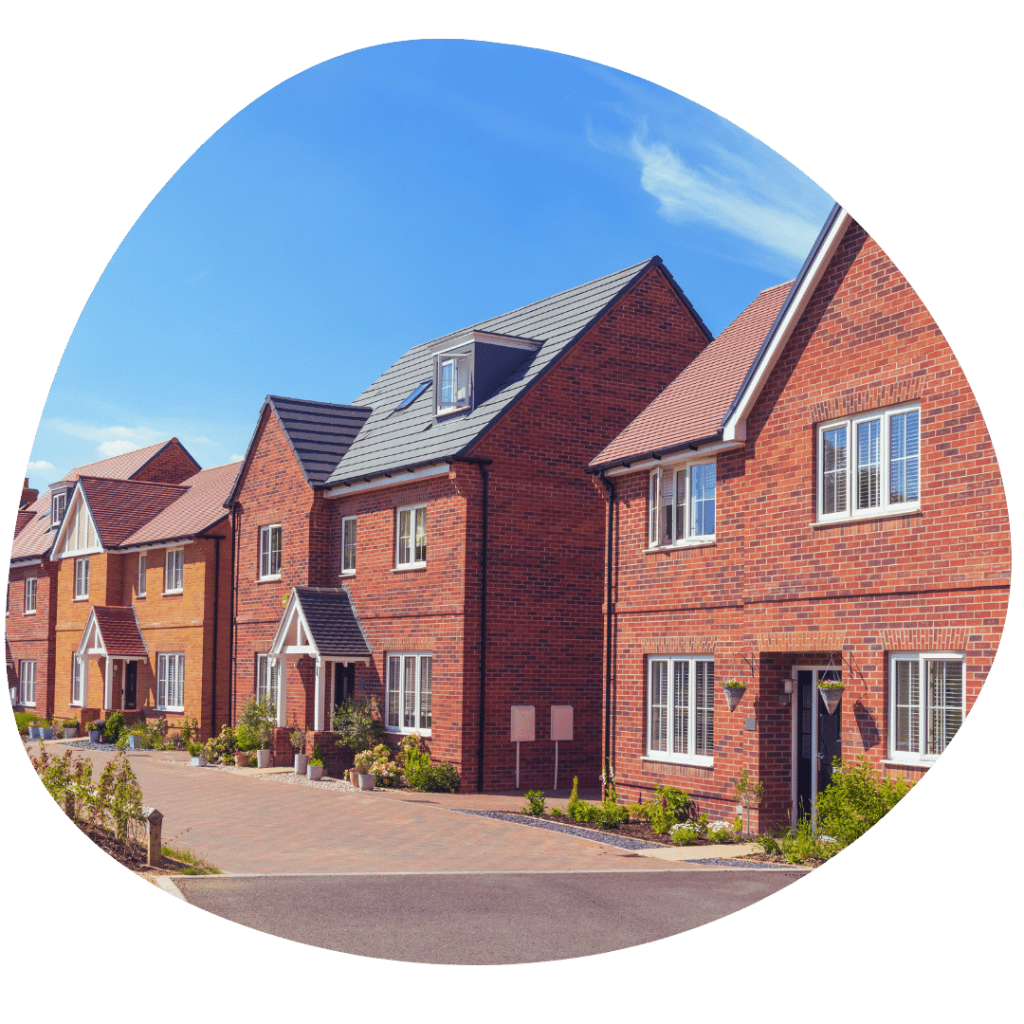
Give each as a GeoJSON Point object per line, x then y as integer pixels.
{"type": "Point", "coordinates": [347, 572]}
{"type": "Point", "coordinates": [394, 730]}
{"type": "Point", "coordinates": [86, 598]}
{"type": "Point", "coordinates": [171, 593]}
{"type": "Point", "coordinates": [269, 579]}
{"type": "Point", "coordinates": [28, 703]}
{"type": "Point", "coordinates": [160, 707]}
{"type": "Point", "coordinates": [702, 543]}
{"type": "Point", "coordinates": [695, 762]}
{"type": "Point", "coordinates": [825, 524]}
{"type": "Point", "coordinates": [409, 568]}
{"type": "Point", "coordinates": [893, 763]}
{"type": "Point", "coordinates": [31, 612]}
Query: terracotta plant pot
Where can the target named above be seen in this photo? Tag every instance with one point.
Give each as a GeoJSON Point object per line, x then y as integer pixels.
{"type": "Point", "coordinates": [733, 695]}
{"type": "Point", "coordinates": [242, 758]}
{"type": "Point", "coordinates": [353, 777]}
{"type": "Point", "coordinates": [831, 697]}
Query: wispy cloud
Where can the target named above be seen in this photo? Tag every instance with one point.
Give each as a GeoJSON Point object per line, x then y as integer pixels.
{"type": "Point", "coordinates": [698, 194]}
{"type": "Point", "coordinates": [41, 464]}
{"type": "Point", "coordinates": [113, 440]}
{"type": "Point", "coordinates": [236, 458]}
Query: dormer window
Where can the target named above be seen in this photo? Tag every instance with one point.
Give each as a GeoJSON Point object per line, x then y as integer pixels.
{"type": "Point", "coordinates": [453, 383]}
{"type": "Point", "coordinates": [58, 505]}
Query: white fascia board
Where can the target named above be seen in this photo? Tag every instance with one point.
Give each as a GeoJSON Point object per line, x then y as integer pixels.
{"type": "Point", "coordinates": [24, 565]}
{"type": "Point", "coordinates": [396, 478]}
{"type": "Point", "coordinates": [81, 554]}
{"type": "Point", "coordinates": [91, 628]}
{"type": "Point", "coordinates": [736, 426]}
{"type": "Point", "coordinates": [156, 546]}
{"type": "Point", "coordinates": [292, 611]}
{"type": "Point", "coordinates": [77, 494]}
{"type": "Point", "coordinates": [672, 458]}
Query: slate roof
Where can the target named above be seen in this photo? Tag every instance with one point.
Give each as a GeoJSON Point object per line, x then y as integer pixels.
{"type": "Point", "coordinates": [119, 628]}
{"type": "Point", "coordinates": [693, 407]}
{"type": "Point", "coordinates": [121, 507]}
{"type": "Point", "coordinates": [333, 622]}
{"type": "Point", "coordinates": [396, 439]}
{"type": "Point", "coordinates": [124, 467]}
{"type": "Point", "coordinates": [319, 434]}
{"type": "Point", "coordinates": [198, 508]}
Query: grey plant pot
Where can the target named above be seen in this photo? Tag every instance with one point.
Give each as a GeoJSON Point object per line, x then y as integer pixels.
{"type": "Point", "coordinates": [262, 758]}
{"type": "Point", "coordinates": [46, 734]}
{"type": "Point", "coordinates": [301, 763]}
{"type": "Point", "coordinates": [199, 761]}
{"type": "Point", "coordinates": [830, 698]}
{"type": "Point", "coordinates": [71, 734]}
{"type": "Point", "coordinates": [733, 695]}
{"type": "Point", "coordinates": [95, 736]}
{"type": "Point", "coordinates": [367, 781]}
{"type": "Point", "coordinates": [135, 742]}
{"type": "Point", "coordinates": [314, 772]}
{"type": "Point", "coordinates": [33, 732]}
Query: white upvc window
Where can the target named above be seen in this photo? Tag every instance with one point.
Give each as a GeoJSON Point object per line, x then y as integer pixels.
{"type": "Point", "coordinates": [348, 545]}
{"type": "Point", "coordinates": [140, 590]}
{"type": "Point", "coordinates": [681, 710]}
{"type": "Point", "coordinates": [409, 693]}
{"type": "Point", "coordinates": [411, 537]}
{"type": "Point", "coordinates": [174, 571]}
{"type": "Point", "coordinates": [870, 465]}
{"type": "Point", "coordinates": [30, 596]}
{"type": "Point", "coordinates": [682, 505]}
{"type": "Point", "coordinates": [79, 666]}
{"type": "Point", "coordinates": [926, 704]}
{"type": "Point", "coordinates": [266, 679]}
{"type": "Point", "coordinates": [27, 679]}
{"type": "Point", "coordinates": [453, 383]}
{"type": "Point", "coordinates": [270, 552]}
{"type": "Point", "coordinates": [170, 682]}
{"type": "Point", "coordinates": [81, 579]}
{"type": "Point", "coordinates": [58, 505]}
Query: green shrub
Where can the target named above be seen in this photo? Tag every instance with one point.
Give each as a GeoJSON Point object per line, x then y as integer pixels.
{"type": "Point", "coordinates": [534, 802]}
{"type": "Point", "coordinates": [358, 723]}
{"type": "Point", "coordinates": [67, 779]}
{"type": "Point", "coordinates": [116, 803]}
{"type": "Point", "coordinates": [611, 814]}
{"type": "Point", "coordinates": [442, 777]}
{"type": "Point", "coordinates": [24, 719]}
{"type": "Point", "coordinates": [685, 833]}
{"type": "Point", "coordinates": [220, 749]}
{"type": "Point", "coordinates": [256, 724]}
{"type": "Point", "coordinates": [857, 798]}
{"type": "Point", "coordinates": [556, 812]}
{"type": "Point", "coordinates": [115, 725]}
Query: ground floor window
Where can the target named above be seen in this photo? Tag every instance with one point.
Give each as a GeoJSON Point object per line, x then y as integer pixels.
{"type": "Point", "coordinates": [27, 677]}
{"type": "Point", "coordinates": [926, 704]}
{"type": "Point", "coordinates": [78, 667]}
{"type": "Point", "coordinates": [681, 709]}
{"type": "Point", "coordinates": [409, 693]}
{"type": "Point", "coordinates": [266, 679]}
{"type": "Point", "coordinates": [170, 682]}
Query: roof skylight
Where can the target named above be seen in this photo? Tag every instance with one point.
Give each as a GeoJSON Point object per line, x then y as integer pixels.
{"type": "Point", "coordinates": [414, 394]}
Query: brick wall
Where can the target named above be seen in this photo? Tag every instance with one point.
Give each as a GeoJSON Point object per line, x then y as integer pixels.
{"type": "Point", "coordinates": [936, 580]}
{"type": "Point", "coordinates": [32, 636]}
{"type": "Point", "coordinates": [171, 465]}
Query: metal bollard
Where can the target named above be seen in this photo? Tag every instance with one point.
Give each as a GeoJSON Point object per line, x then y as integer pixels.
{"type": "Point", "coordinates": [154, 821]}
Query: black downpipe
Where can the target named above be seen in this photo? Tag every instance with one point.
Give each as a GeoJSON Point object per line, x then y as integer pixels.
{"type": "Point", "coordinates": [234, 610]}
{"type": "Point", "coordinates": [216, 620]}
{"type": "Point", "coordinates": [483, 635]}
{"type": "Point", "coordinates": [608, 753]}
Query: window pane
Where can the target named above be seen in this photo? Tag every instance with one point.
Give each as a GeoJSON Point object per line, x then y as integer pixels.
{"type": "Point", "coordinates": [652, 507]}
{"type": "Point", "coordinates": [679, 513]}
{"type": "Point", "coordinates": [409, 693]}
{"type": "Point", "coordinates": [904, 457]}
{"type": "Point", "coordinates": [869, 464]}
{"type": "Point", "coordinates": [833, 463]}
{"type": "Point", "coordinates": [681, 707]}
{"type": "Point", "coordinates": [667, 532]}
{"type": "Point", "coordinates": [348, 544]}
{"type": "Point", "coordinates": [659, 704]}
{"type": "Point", "coordinates": [945, 703]}
{"type": "Point", "coordinates": [421, 535]}
{"type": "Point", "coordinates": [275, 550]}
{"type": "Point", "coordinates": [447, 382]}
{"type": "Point", "coordinates": [702, 500]}
{"type": "Point", "coordinates": [908, 706]}
{"type": "Point", "coordinates": [704, 680]}
{"type": "Point", "coordinates": [426, 692]}
{"type": "Point", "coordinates": [394, 690]}
{"type": "Point", "coordinates": [404, 537]}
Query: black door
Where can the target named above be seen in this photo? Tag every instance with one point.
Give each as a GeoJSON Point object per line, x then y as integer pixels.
{"type": "Point", "coordinates": [344, 682]}
{"type": "Point", "coordinates": [130, 677]}
{"type": "Point", "coordinates": [818, 736]}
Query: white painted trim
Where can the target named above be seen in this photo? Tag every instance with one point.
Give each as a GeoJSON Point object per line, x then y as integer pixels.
{"type": "Point", "coordinates": [25, 565]}
{"type": "Point", "coordinates": [137, 548]}
{"type": "Point", "coordinates": [396, 478]}
{"type": "Point", "coordinates": [735, 427]}
{"type": "Point", "coordinates": [673, 458]}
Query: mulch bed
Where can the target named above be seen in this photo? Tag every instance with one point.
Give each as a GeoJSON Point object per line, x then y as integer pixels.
{"type": "Point", "coordinates": [129, 855]}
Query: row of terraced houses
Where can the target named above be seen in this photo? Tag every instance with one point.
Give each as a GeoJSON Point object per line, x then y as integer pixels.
{"type": "Point", "coordinates": [577, 520]}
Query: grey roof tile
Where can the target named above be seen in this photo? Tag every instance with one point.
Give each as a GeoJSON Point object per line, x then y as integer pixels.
{"type": "Point", "coordinates": [333, 621]}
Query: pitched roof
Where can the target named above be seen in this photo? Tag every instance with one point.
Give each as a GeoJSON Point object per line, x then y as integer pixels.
{"type": "Point", "coordinates": [333, 622]}
{"type": "Point", "coordinates": [398, 438]}
{"type": "Point", "coordinates": [196, 509]}
{"type": "Point", "coordinates": [119, 628]}
{"type": "Point", "coordinates": [319, 434]}
{"type": "Point", "coordinates": [124, 467]}
{"type": "Point", "coordinates": [35, 538]}
{"type": "Point", "coordinates": [692, 407]}
{"type": "Point", "coordinates": [121, 507]}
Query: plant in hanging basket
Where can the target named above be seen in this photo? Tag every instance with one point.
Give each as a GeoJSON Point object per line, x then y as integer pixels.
{"type": "Point", "coordinates": [734, 691]}
{"type": "Point", "coordinates": [831, 693]}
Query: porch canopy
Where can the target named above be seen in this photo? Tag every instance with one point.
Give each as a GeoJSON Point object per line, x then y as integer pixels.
{"type": "Point", "coordinates": [112, 633]}
{"type": "Point", "coordinates": [320, 622]}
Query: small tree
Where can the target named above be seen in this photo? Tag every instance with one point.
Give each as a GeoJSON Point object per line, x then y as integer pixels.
{"type": "Point", "coordinates": [358, 723]}
{"type": "Point", "coordinates": [256, 724]}
{"type": "Point", "coordinates": [750, 794]}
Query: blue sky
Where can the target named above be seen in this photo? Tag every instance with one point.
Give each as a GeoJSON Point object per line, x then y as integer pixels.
{"type": "Point", "coordinates": [387, 197]}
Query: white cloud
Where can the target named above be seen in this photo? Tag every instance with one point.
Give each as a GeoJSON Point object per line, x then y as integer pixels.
{"type": "Point", "coordinates": [108, 449]}
{"type": "Point", "coordinates": [236, 458]}
{"type": "Point", "coordinates": [689, 194]}
{"type": "Point", "coordinates": [41, 464]}
{"type": "Point", "coordinates": [136, 437]}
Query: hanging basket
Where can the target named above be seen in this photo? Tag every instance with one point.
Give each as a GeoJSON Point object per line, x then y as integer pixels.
{"type": "Point", "coordinates": [733, 695]}
{"type": "Point", "coordinates": [831, 696]}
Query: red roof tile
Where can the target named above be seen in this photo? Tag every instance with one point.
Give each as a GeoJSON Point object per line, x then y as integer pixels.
{"type": "Point", "coordinates": [692, 407]}
{"type": "Point", "coordinates": [120, 631]}
{"type": "Point", "coordinates": [121, 467]}
{"type": "Point", "coordinates": [120, 507]}
{"type": "Point", "coordinates": [33, 540]}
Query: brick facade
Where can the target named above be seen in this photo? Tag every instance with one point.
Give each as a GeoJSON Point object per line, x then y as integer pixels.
{"type": "Point", "coordinates": [777, 589]}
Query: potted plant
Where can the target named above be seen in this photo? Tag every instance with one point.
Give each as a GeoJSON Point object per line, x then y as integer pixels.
{"type": "Point", "coordinates": [316, 764]}
{"type": "Point", "coordinates": [255, 728]}
{"type": "Point", "coordinates": [734, 691]}
{"type": "Point", "coordinates": [45, 730]}
{"type": "Point", "coordinates": [137, 736]}
{"type": "Point", "coordinates": [96, 731]}
{"type": "Point", "coordinates": [195, 749]}
{"type": "Point", "coordinates": [831, 691]}
{"type": "Point", "coordinates": [364, 767]}
{"type": "Point", "coordinates": [70, 728]}
{"type": "Point", "coordinates": [298, 738]}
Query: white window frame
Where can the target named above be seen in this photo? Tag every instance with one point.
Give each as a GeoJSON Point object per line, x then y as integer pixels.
{"type": "Point", "coordinates": [79, 666]}
{"type": "Point", "coordinates": [453, 372]}
{"type": "Point", "coordinates": [348, 548]}
{"type": "Point", "coordinates": [270, 559]}
{"type": "Point", "coordinates": [673, 518]}
{"type": "Point", "coordinates": [58, 506]}
{"type": "Point", "coordinates": [140, 587]}
{"type": "Point", "coordinates": [170, 681]}
{"type": "Point", "coordinates": [929, 715]}
{"type": "Point", "coordinates": [174, 571]}
{"type": "Point", "coordinates": [31, 594]}
{"type": "Point", "coordinates": [666, 727]}
{"type": "Point", "coordinates": [82, 579]}
{"type": "Point", "coordinates": [848, 474]}
{"type": "Point", "coordinates": [27, 683]}
{"type": "Point", "coordinates": [267, 677]}
{"type": "Point", "coordinates": [414, 711]}
{"type": "Point", "coordinates": [406, 557]}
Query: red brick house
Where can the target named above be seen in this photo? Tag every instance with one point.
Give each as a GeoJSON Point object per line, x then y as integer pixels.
{"type": "Point", "coordinates": [139, 595]}
{"type": "Point", "coordinates": [815, 498]}
{"type": "Point", "coordinates": [450, 561]}
{"type": "Point", "coordinates": [31, 592]}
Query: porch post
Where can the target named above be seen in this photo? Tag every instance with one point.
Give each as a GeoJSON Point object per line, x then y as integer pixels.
{"type": "Point", "coordinates": [282, 696]}
{"type": "Point", "coordinates": [318, 696]}
{"type": "Point", "coordinates": [108, 683]}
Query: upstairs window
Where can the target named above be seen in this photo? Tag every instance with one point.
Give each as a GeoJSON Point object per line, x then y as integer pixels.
{"type": "Point", "coordinates": [411, 539]}
{"type": "Point", "coordinates": [173, 571]}
{"type": "Point", "coordinates": [270, 552]}
{"type": "Point", "coordinates": [869, 465]}
{"type": "Point", "coordinates": [453, 385]}
{"type": "Point", "coordinates": [58, 504]}
{"type": "Point", "coordinates": [30, 595]}
{"type": "Point", "coordinates": [141, 588]}
{"type": "Point", "coordinates": [682, 505]}
{"type": "Point", "coordinates": [348, 545]}
{"type": "Point", "coordinates": [81, 579]}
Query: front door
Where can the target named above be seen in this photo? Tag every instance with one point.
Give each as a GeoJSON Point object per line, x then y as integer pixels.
{"type": "Point", "coordinates": [130, 685]}
{"type": "Point", "coordinates": [344, 682]}
{"type": "Point", "coordinates": [817, 737]}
